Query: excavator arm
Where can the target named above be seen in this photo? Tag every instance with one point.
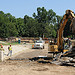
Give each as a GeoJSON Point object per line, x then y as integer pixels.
{"type": "Point", "coordinates": [59, 49]}
{"type": "Point", "coordinates": [69, 15]}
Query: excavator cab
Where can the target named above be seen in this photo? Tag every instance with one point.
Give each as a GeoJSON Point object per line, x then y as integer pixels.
{"type": "Point", "coordinates": [52, 47]}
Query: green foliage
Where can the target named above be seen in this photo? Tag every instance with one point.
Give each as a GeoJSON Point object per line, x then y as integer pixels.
{"type": "Point", "coordinates": [43, 23]}
{"type": "Point", "coordinates": [7, 25]}
{"type": "Point", "coordinates": [47, 22]}
{"type": "Point", "coordinates": [50, 31]}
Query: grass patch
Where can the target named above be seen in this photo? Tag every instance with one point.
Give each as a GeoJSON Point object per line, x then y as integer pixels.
{"type": "Point", "coordinates": [13, 43]}
{"type": "Point", "coordinates": [8, 43]}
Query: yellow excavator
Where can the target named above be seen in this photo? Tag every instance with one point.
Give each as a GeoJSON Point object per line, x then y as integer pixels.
{"type": "Point", "coordinates": [63, 44]}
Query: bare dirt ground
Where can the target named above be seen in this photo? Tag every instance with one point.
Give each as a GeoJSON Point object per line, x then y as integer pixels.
{"type": "Point", "coordinates": [21, 65]}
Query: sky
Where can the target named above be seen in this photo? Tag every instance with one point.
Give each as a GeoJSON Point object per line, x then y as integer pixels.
{"type": "Point", "coordinates": [20, 8]}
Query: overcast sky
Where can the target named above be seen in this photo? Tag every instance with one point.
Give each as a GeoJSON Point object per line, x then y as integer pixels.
{"type": "Point", "coordinates": [20, 8]}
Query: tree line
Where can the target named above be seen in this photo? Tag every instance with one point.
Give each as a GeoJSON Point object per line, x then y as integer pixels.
{"type": "Point", "coordinates": [41, 23]}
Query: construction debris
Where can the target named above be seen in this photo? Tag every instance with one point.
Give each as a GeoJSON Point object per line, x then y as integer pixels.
{"type": "Point", "coordinates": [67, 58]}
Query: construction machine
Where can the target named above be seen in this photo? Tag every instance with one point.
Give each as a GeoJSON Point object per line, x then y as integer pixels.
{"type": "Point", "coordinates": [63, 49]}
{"type": "Point", "coordinates": [63, 44]}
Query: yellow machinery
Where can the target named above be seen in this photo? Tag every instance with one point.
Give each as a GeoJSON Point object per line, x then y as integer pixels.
{"type": "Point", "coordinates": [62, 44]}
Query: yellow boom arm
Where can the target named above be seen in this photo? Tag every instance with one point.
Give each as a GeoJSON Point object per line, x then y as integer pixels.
{"type": "Point", "coordinates": [69, 15]}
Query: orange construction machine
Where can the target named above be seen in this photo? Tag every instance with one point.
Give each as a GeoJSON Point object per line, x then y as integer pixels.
{"type": "Point", "coordinates": [62, 44]}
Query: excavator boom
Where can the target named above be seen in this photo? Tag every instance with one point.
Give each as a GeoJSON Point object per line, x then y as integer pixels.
{"type": "Point", "coordinates": [69, 15]}
{"type": "Point", "coordinates": [59, 46]}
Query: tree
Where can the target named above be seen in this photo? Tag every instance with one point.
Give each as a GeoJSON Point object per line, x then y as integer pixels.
{"type": "Point", "coordinates": [45, 18]}
{"type": "Point", "coordinates": [51, 16]}
{"type": "Point", "coordinates": [7, 25]}
{"type": "Point", "coordinates": [44, 22]}
{"type": "Point", "coordinates": [20, 26]}
{"type": "Point", "coordinates": [50, 32]}
{"type": "Point", "coordinates": [41, 15]}
{"type": "Point", "coordinates": [30, 26]}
